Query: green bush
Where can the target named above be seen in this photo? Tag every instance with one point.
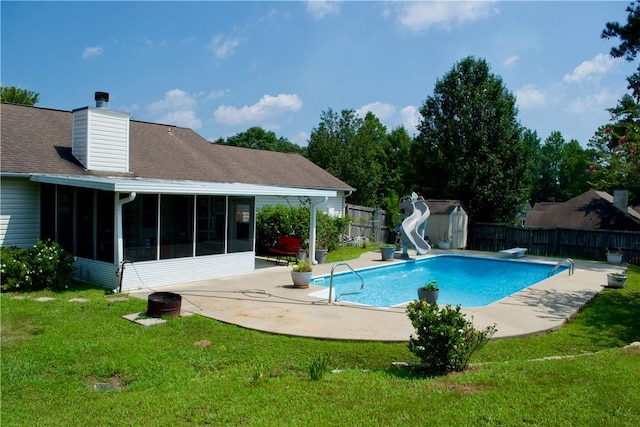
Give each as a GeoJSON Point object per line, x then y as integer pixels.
{"type": "Point", "coordinates": [281, 220]}
{"type": "Point", "coordinates": [46, 265]}
{"type": "Point", "coordinates": [445, 339]}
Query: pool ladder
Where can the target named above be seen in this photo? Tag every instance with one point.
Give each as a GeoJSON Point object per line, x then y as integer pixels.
{"type": "Point", "coordinates": [344, 293]}
{"type": "Point", "coordinates": [568, 261]}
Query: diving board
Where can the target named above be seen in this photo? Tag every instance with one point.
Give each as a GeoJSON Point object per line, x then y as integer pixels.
{"type": "Point", "coordinates": [514, 252]}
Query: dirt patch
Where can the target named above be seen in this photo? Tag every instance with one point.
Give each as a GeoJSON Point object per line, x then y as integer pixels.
{"type": "Point", "coordinates": [202, 343]}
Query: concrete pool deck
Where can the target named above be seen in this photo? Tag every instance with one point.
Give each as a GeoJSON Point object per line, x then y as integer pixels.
{"type": "Point", "coordinates": [266, 301]}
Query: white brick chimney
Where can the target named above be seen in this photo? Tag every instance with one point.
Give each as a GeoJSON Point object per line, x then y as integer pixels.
{"type": "Point", "coordinates": [100, 137]}
{"type": "Point", "coordinates": [621, 200]}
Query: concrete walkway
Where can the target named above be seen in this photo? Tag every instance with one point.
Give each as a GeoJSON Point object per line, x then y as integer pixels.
{"type": "Point", "coordinates": [266, 301]}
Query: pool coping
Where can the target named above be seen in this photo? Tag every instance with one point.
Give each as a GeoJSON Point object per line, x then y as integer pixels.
{"type": "Point", "coordinates": [266, 300]}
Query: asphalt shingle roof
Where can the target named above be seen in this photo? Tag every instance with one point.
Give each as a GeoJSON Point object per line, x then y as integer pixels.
{"type": "Point", "coordinates": [592, 209]}
{"type": "Point", "coordinates": [38, 140]}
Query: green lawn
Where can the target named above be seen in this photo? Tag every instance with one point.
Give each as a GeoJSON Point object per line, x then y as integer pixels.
{"type": "Point", "coordinates": [197, 371]}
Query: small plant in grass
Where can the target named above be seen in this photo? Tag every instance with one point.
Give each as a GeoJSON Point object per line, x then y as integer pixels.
{"type": "Point", "coordinates": [46, 265]}
{"type": "Point", "coordinates": [259, 374]}
{"type": "Point", "coordinates": [318, 367]}
{"type": "Point", "coordinates": [445, 339]}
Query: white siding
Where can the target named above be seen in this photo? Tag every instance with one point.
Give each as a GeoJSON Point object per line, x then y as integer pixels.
{"type": "Point", "coordinates": [333, 206]}
{"type": "Point", "coordinates": [96, 272]}
{"type": "Point", "coordinates": [156, 274]}
{"type": "Point", "coordinates": [79, 136]}
{"type": "Point", "coordinates": [101, 139]}
{"type": "Point", "coordinates": [19, 212]}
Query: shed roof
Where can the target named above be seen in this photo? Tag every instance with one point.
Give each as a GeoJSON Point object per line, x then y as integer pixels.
{"type": "Point", "coordinates": [592, 209]}
{"type": "Point", "coordinates": [443, 207]}
{"type": "Point", "coordinates": [38, 141]}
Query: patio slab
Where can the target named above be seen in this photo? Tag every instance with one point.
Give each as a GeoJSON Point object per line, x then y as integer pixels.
{"type": "Point", "coordinates": [266, 301]}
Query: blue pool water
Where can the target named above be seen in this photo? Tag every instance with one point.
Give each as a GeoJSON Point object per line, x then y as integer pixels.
{"type": "Point", "coordinates": [465, 280]}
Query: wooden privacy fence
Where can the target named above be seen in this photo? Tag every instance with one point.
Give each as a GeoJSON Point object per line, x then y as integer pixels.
{"type": "Point", "coordinates": [367, 222]}
{"type": "Point", "coordinates": [558, 242]}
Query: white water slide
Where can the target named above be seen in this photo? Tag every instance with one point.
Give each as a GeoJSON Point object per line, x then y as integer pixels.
{"type": "Point", "coordinates": [411, 227]}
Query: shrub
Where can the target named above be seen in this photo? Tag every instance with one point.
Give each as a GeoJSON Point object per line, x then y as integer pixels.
{"type": "Point", "coordinates": [445, 339]}
{"type": "Point", "coordinates": [280, 220]}
{"type": "Point", "coordinates": [44, 266]}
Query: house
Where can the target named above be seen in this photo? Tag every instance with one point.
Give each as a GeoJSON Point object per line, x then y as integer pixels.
{"type": "Point", "coordinates": [590, 210]}
{"type": "Point", "coordinates": [110, 189]}
{"type": "Point", "coordinates": [448, 221]}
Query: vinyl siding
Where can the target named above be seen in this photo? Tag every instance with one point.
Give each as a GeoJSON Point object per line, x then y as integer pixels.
{"type": "Point", "coordinates": [96, 272]}
{"type": "Point", "coordinates": [156, 274]}
{"type": "Point", "coordinates": [101, 139]}
{"type": "Point", "coordinates": [19, 212]}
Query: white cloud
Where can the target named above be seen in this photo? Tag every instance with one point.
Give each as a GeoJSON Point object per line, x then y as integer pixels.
{"type": "Point", "coordinates": [215, 94]}
{"type": "Point", "coordinates": [590, 70]}
{"type": "Point", "coordinates": [529, 96]}
{"type": "Point", "coordinates": [594, 102]}
{"type": "Point", "coordinates": [301, 138]}
{"type": "Point", "coordinates": [320, 8]}
{"type": "Point", "coordinates": [511, 60]}
{"type": "Point", "coordinates": [174, 99]}
{"type": "Point", "coordinates": [222, 46]}
{"type": "Point", "coordinates": [420, 16]}
{"type": "Point", "coordinates": [262, 113]}
{"type": "Point", "coordinates": [91, 51]}
{"type": "Point", "coordinates": [381, 110]}
{"type": "Point", "coordinates": [177, 108]}
{"type": "Point", "coordinates": [410, 117]}
{"type": "Point", "coordinates": [185, 118]}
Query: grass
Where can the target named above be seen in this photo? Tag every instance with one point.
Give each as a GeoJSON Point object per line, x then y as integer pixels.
{"type": "Point", "coordinates": [197, 371]}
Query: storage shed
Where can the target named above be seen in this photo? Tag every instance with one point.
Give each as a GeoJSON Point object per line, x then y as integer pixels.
{"type": "Point", "coordinates": [447, 223]}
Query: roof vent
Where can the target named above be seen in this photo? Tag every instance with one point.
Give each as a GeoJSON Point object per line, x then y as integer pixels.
{"type": "Point", "coordinates": [102, 99]}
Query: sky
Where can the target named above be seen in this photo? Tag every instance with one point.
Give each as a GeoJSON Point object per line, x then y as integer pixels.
{"type": "Point", "coordinates": [223, 67]}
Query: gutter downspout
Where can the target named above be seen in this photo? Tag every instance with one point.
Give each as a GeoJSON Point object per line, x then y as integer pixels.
{"type": "Point", "coordinates": [312, 230]}
{"type": "Point", "coordinates": [120, 245]}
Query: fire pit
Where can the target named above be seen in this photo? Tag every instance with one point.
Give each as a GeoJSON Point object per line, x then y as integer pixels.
{"type": "Point", "coordinates": [164, 304]}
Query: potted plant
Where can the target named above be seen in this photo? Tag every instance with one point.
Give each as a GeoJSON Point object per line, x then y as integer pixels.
{"type": "Point", "coordinates": [387, 251]}
{"type": "Point", "coordinates": [616, 280]}
{"type": "Point", "coordinates": [322, 247]}
{"type": "Point", "coordinates": [429, 292]}
{"type": "Point", "coordinates": [614, 257]}
{"type": "Point", "coordinates": [301, 273]}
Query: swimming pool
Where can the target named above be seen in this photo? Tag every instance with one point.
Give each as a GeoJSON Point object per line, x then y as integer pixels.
{"type": "Point", "coordinates": [466, 280]}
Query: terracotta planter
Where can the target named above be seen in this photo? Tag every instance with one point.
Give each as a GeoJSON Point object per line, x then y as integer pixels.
{"type": "Point", "coordinates": [428, 296]}
{"type": "Point", "coordinates": [301, 279]}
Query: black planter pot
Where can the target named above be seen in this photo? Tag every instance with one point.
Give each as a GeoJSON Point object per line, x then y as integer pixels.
{"type": "Point", "coordinates": [429, 296]}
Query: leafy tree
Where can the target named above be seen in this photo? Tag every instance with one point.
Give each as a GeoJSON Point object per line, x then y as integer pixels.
{"type": "Point", "coordinates": [616, 161]}
{"type": "Point", "coordinates": [258, 138]}
{"type": "Point", "coordinates": [351, 148]}
{"type": "Point", "coordinates": [469, 145]}
{"type": "Point", "coordinates": [531, 143]}
{"type": "Point", "coordinates": [395, 162]}
{"type": "Point", "coordinates": [15, 95]}
{"type": "Point", "coordinates": [629, 35]}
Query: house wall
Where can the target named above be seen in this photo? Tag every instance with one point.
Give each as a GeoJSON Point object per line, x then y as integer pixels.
{"type": "Point", "coordinates": [19, 212]}
{"type": "Point", "coordinates": [156, 274]}
{"type": "Point", "coordinates": [333, 206]}
{"type": "Point", "coordinates": [96, 272]}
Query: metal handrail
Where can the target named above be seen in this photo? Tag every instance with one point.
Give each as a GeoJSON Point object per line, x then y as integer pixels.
{"type": "Point", "coordinates": [560, 263]}
{"type": "Point", "coordinates": [344, 293]}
